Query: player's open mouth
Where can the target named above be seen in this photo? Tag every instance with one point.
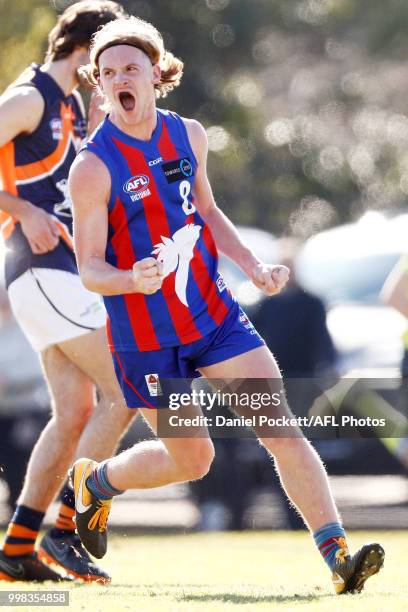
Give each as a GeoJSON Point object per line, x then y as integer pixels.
{"type": "Point", "coordinates": [127, 100]}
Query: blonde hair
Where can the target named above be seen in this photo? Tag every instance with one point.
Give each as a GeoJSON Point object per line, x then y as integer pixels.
{"type": "Point", "coordinates": [144, 36]}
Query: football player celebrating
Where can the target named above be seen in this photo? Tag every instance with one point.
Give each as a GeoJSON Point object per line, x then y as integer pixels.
{"type": "Point", "coordinates": [147, 230]}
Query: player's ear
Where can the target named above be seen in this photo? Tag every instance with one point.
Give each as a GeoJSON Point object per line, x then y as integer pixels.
{"type": "Point", "coordinates": [156, 74]}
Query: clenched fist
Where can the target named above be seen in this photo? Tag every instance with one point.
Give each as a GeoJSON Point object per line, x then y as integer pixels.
{"type": "Point", "coordinates": [270, 278]}
{"type": "Point", "coordinates": [147, 275]}
{"type": "Point", "coordinates": [40, 229]}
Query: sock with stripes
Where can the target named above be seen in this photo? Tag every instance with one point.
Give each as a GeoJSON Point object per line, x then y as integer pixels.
{"type": "Point", "coordinates": [22, 531]}
{"type": "Point", "coordinates": [329, 539]}
{"type": "Point", "coordinates": [64, 525]}
{"type": "Point", "coordinates": [98, 483]}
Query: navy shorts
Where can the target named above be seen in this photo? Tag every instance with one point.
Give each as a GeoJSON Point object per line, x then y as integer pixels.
{"type": "Point", "coordinates": [139, 373]}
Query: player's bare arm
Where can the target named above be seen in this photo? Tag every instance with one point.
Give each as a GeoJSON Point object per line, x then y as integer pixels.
{"type": "Point", "coordinates": [90, 185]}
{"type": "Point", "coordinates": [270, 278]}
{"type": "Point", "coordinates": [21, 110]}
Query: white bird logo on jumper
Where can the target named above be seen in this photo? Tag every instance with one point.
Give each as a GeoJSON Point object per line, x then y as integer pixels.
{"type": "Point", "coordinates": [177, 252]}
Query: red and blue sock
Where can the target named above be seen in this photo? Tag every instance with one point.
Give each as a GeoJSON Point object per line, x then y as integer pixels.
{"type": "Point", "coordinates": [98, 483]}
{"type": "Point", "coordinates": [329, 540]}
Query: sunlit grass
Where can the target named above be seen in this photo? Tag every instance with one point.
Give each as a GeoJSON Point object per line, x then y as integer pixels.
{"type": "Point", "coordinates": [247, 571]}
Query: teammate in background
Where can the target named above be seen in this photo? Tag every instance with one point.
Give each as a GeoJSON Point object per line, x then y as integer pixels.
{"type": "Point", "coordinates": [41, 124]}
{"type": "Point", "coordinates": [142, 182]}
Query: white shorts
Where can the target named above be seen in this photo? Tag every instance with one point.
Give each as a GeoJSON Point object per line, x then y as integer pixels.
{"type": "Point", "coordinates": [53, 305]}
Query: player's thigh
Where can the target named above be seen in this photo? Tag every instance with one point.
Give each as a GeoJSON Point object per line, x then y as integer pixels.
{"type": "Point", "coordinates": [71, 391]}
{"type": "Point", "coordinates": [248, 377]}
{"type": "Point", "coordinates": [256, 363]}
{"type": "Point", "coordinates": [236, 351]}
{"type": "Point", "coordinates": [250, 374]}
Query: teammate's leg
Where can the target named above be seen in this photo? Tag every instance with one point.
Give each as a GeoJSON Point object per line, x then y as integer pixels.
{"type": "Point", "coordinates": [111, 416]}
{"type": "Point", "coordinates": [304, 479]}
{"type": "Point", "coordinates": [99, 438]}
{"type": "Point", "coordinates": [72, 403]}
{"type": "Point", "coordinates": [75, 423]}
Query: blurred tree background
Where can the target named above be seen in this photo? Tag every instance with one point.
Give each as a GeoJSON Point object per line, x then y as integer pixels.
{"type": "Point", "coordinates": [304, 101]}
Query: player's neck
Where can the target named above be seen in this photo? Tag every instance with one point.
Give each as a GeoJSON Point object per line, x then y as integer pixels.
{"type": "Point", "coordinates": [142, 128]}
{"type": "Point", "coordinates": [63, 73]}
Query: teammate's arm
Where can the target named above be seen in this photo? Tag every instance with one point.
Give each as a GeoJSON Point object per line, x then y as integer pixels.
{"type": "Point", "coordinates": [90, 186]}
{"type": "Point", "coordinates": [21, 110]}
{"type": "Point", "coordinates": [270, 278]}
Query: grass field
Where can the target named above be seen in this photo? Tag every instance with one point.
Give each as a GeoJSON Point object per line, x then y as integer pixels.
{"type": "Point", "coordinates": [242, 572]}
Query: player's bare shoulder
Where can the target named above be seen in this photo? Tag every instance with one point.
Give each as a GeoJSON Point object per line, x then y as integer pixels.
{"type": "Point", "coordinates": [21, 110]}
{"type": "Point", "coordinates": [22, 96]}
{"type": "Point", "coordinates": [197, 137]}
{"type": "Point", "coordinates": [89, 180]}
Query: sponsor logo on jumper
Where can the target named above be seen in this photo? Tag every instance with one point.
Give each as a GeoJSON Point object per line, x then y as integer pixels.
{"type": "Point", "coordinates": [136, 187]}
{"type": "Point", "coordinates": [177, 170]}
{"type": "Point", "coordinates": [136, 183]}
{"type": "Point", "coordinates": [186, 167]}
{"type": "Point", "coordinates": [56, 128]}
{"type": "Point", "coordinates": [142, 194]}
{"type": "Point", "coordinates": [153, 162]}
{"type": "Point", "coordinates": [153, 384]}
{"type": "Point", "coordinates": [64, 208]}
{"type": "Point", "coordinates": [247, 323]}
{"type": "Point", "coordinates": [221, 284]}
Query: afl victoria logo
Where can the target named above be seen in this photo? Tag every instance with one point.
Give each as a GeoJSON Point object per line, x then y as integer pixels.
{"type": "Point", "coordinates": [136, 183]}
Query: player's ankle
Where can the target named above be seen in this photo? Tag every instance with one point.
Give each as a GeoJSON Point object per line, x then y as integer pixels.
{"type": "Point", "coordinates": [330, 539]}
{"type": "Point", "coordinates": [22, 531]}
{"type": "Point", "coordinates": [99, 485]}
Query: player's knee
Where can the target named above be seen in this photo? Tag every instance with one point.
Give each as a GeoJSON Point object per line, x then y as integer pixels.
{"type": "Point", "coordinates": [73, 421]}
{"type": "Point", "coordinates": [198, 460]}
{"type": "Point", "coordinates": [110, 393]}
{"type": "Point", "coordinates": [114, 409]}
